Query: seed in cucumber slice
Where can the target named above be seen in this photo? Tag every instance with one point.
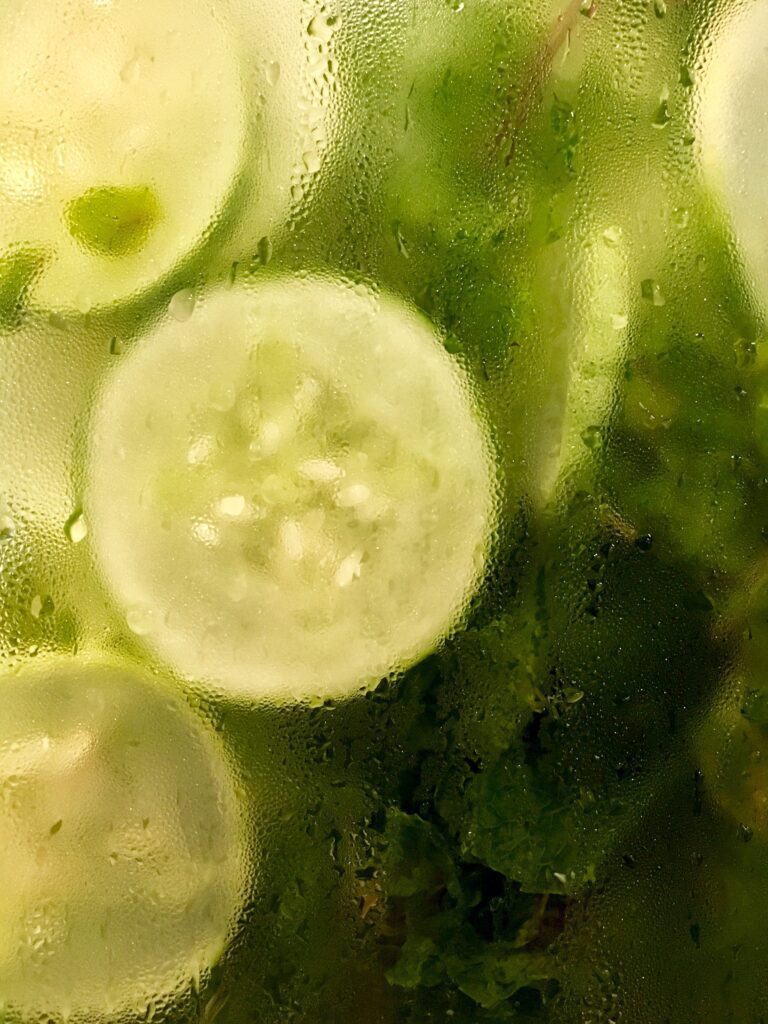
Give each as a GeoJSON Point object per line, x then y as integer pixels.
{"type": "Point", "coordinates": [733, 130]}
{"type": "Point", "coordinates": [119, 842]}
{"type": "Point", "coordinates": [123, 130]}
{"type": "Point", "coordinates": [291, 492]}
{"type": "Point", "coordinates": [113, 221]}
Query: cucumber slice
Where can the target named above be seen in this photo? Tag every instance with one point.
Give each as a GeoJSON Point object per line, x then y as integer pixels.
{"type": "Point", "coordinates": [119, 842]}
{"type": "Point", "coordinates": [733, 129]}
{"type": "Point", "coordinates": [291, 493]}
{"type": "Point", "coordinates": [123, 130]}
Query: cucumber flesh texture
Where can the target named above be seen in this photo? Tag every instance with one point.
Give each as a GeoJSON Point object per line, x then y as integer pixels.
{"type": "Point", "coordinates": [733, 129]}
{"type": "Point", "coordinates": [122, 133]}
{"type": "Point", "coordinates": [291, 493]}
{"type": "Point", "coordinates": [119, 842]}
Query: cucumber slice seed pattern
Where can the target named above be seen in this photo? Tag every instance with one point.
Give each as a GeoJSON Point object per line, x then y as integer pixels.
{"type": "Point", "coordinates": [123, 133]}
{"type": "Point", "coordinates": [291, 494]}
{"type": "Point", "coordinates": [120, 857]}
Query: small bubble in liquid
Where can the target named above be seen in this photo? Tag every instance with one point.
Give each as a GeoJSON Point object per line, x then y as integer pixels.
{"type": "Point", "coordinates": [76, 528]}
{"type": "Point", "coordinates": [182, 305]}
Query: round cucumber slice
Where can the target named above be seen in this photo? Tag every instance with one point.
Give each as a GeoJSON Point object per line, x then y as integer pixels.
{"type": "Point", "coordinates": [733, 128]}
{"type": "Point", "coordinates": [123, 132]}
{"type": "Point", "coordinates": [119, 842]}
{"type": "Point", "coordinates": [291, 493]}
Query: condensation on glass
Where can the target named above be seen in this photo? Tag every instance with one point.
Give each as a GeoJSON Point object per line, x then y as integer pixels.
{"type": "Point", "coordinates": [383, 511]}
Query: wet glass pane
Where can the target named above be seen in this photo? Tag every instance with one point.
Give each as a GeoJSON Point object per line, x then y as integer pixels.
{"type": "Point", "coordinates": [383, 511]}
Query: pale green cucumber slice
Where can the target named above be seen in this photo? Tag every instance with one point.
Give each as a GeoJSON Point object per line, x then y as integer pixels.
{"type": "Point", "coordinates": [733, 131]}
{"type": "Point", "coordinates": [123, 132]}
{"type": "Point", "coordinates": [291, 493]}
{"type": "Point", "coordinates": [120, 859]}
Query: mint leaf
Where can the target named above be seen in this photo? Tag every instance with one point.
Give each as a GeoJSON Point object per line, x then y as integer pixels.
{"type": "Point", "coordinates": [459, 925]}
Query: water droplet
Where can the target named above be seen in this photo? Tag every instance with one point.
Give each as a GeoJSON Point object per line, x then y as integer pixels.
{"type": "Point", "coordinates": [612, 236]}
{"type": "Point", "coordinates": [592, 437]}
{"type": "Point", "coordinates": [651, 292]}
{"type": "Point", "coordinates": [182, 305]}
{"type": "Point", "coordinates": [311, 161]}
{"type": "Point", "coordinates": [662, 116]}
{"type": "Point", "coordinates": [139, 619]}
{"type": "Point", "coordinates": [659, 8]}
{"type": "Point", "coordinates": [680, 217]}
{"type": "Point", "coordinates": [76, 528]}
{"type": "Point", "coordinates": [745, 833]}
{"type": "Point", "coordinates": [619, 321]}
{"type": "Point", "coordinates": [273, 72]}
{"type": "Point", "coordinates": [264, 250]}
{"type": "Point", "coordinates": [41, 606]}
{"type": "Point", "coordinates": [7, 527]}
{"type": "Point", "coordinates": [400, 242]}
{"type": "Point", "coordinates": [573, 694]}
{"type": "Point", "coordinates": [116, 346]}
{"type": "Point", "coordinates": [130, 71]}
{"type": "Point", "coordinates": [321, 27]}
